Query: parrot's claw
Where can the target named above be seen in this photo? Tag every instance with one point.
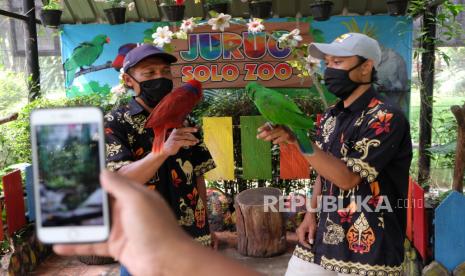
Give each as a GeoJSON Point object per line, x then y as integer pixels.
{"type": "Point", "coordinates": [269, 125]}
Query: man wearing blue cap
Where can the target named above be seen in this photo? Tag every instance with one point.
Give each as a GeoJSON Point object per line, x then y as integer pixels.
{"type": "Point", "coordinates": [362, 156]}
{"type": "Point", "coordinates": [177, 171]}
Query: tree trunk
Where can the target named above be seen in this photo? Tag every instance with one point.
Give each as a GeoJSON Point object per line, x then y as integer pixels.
{"type": "Point", "coordinates": [260, 226]}
{"type": "Point", "coordinates": [426, 95]}
{"type": "Point", "coordinates": [459, 168]}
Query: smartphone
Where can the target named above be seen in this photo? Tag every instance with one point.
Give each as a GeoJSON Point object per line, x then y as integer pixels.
{"type": "Point", "coordinates": [68, 154]}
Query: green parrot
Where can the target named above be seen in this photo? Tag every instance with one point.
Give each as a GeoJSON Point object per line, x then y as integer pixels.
{"type": "Point", "coordinates": [279, 109]}
{"type": "Point", "coordinates": [84, 55]}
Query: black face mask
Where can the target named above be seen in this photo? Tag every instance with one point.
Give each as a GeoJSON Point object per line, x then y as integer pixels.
{"type": "Point", "coordinates": [339, 83]}
{"type": "Point", "coordinates": [153, 91]}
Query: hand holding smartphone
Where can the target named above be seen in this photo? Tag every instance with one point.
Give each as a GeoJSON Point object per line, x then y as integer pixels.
{"type": "Point", "coordinates": [68, 152]}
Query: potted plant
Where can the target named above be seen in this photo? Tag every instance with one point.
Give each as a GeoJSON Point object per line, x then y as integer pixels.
{"type": "Point", "coordinates": [218, 6]}
{"type": "Point", "coordinates": [116, 14]}
{"type": "Point", "coordinates": [259, 8]}
{"type": "Point", "coordinates": [51, 13]}
{"type": "Point", "coordinates": [321, 10]}
{"type": "Point", "coordinates": [172, 10]}
{"type": "Point", "coordinates": [397, 7]}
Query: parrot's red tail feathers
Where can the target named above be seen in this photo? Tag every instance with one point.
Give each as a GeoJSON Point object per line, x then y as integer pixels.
{"type": "Point", "coordinates": [159, 140]}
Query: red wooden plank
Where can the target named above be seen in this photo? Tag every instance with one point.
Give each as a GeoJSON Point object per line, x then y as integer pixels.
{"type": "Point", "coordinates": [1, 225]}
{"type": "Point", "coordinates": [293, 164]}
{"type": "Point", "coordinates": [420, 229]}
{"type": "Point", "coordinates": [14, 201]}
{"type": "Point", "coordinates": [409, 230]}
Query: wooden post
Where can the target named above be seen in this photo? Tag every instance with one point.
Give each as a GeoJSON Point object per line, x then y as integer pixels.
{"type": "Point", "coordinates": [426, 93]}
{"type": "Point", "coordinates": [459, 168]}
{"type": "Point", "coordinates": [261, 230]}
{"type": "Point", "coordinates": [14, 201]}
{"type": "Point", "coordinates": [32, 50]}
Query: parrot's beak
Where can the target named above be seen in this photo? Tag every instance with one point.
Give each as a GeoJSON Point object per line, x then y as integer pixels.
{"type": "Point", "coordinates": [108, 40]}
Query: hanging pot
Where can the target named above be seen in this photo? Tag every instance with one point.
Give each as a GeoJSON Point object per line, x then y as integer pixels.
{"type": "Point", "coordinates": [260, 9]}
{"type": "Point", "coordinates": [321, 10]}
{"type": "Point", "coordinates": [51, 18]}
{"type": "Point", "coordinates": [116, 15]}
{"type": "Point", "coordinates": [219, 7]}
{"type": "Point", "coordinates": [173, 12]}
{"type": "Point", "coordinates": [397, 7]}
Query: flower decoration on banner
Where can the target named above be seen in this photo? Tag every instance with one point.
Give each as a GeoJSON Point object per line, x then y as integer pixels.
{"type": "Point", "coordinates": [291, 39]}
{"type": "Point", "coordinates": [301, 61]}
{"type": "Point", "coordinates": [162, 36]}
{"type": "Point", "coordinates": [118, 3]}
{"type": "Point", "coordinates": [220, 22]}
{"type": "Point", "coordinates": [256, 26]}
{"type": "Point", "coordinates": [188, 25]}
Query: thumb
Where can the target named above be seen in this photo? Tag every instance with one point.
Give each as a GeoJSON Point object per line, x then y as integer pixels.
{"type": "Point", "coordinates": [311, 235]}
{"type": "Point", "coordinates": [301, 238]}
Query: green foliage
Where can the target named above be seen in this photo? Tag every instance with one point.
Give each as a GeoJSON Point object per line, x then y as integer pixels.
{"type": "Point", "coordinates": [90, 88]}
{"type": "Point", "coordinates": [447, 25]}
{"type": "Point", "coordinates": [13, 92]}
{"type": "Point", "coordinates": [450, 77]}
{"type": "Point", "coordinates": [15, 136]}
{"type": "Point", "coordinates": [445, 134]}
{"type": "Point", "coordinates": [51, 5]}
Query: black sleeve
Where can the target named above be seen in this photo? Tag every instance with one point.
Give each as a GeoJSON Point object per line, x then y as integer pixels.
{"type": "Point", "coordinates": [118, 151]}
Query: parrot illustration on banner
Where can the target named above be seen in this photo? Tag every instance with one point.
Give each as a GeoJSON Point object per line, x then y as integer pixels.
{"type": "Point", "coordinates": [84, 55]}
{"type": "Point", "coordinates": [123, 50]}
{"type": "Point", "coordinates": [279, 109]}
{"type": "Point", "coordinates": [172, 111]}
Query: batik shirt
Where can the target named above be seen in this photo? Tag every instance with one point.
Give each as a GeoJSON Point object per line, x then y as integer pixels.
{"type": "Point", "coordinates": [127, 140]}
{"type": "Point", "coordinates": [372, 137]}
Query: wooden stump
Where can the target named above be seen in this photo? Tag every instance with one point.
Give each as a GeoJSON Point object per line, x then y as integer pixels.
{"type": "Point", "coordinates": [261, 229]}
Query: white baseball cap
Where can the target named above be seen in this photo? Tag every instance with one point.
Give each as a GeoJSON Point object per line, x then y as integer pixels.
{"type": "Point", "coordinates": [346, 45]}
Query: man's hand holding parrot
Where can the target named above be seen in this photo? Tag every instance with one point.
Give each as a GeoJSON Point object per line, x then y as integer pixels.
{"type": "Point", "coordinates": [178, 138]}
{"type": "Point", "coordinates": [281, 110]}
{"type": "Point", "coordinates": [277, 135]}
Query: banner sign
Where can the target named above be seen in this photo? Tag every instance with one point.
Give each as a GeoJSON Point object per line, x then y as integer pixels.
{"type": "Point", "coordinates": [235, 57]}
{"type": "Point", "coordinates": [92, 53]}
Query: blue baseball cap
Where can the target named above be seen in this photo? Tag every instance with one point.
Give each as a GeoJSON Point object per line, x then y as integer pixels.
{"type": "Point", "coordinates": [144, 51]}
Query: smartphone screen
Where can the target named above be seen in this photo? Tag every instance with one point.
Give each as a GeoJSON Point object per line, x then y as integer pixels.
{"type": "Point", "coordinates": [68, 174]}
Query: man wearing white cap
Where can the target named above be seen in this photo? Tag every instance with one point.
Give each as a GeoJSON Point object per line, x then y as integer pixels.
{"type": "Point", "coordinates": [362, 156]}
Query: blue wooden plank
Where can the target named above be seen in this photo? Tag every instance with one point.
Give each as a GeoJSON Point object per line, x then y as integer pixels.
{"type": "Point", "coordinates": [31, 214]}
{"type": "Point", "coordinates": [449, 227]}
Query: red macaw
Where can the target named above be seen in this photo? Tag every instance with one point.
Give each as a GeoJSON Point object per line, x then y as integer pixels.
{"type": "Point", "coordinates": [172, 111]}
